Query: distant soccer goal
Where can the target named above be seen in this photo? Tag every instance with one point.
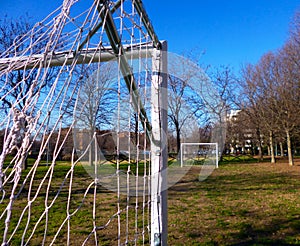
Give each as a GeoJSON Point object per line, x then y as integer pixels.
{"type": "Point", "coordinates": [199, 154]}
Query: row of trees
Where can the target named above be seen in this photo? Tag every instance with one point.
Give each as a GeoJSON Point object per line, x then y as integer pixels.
{"type": "Point", "coordinates": [270, 95]}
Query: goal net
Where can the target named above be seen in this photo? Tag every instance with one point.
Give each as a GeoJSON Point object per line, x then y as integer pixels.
{"type": "Point", "coordinates": [82, 109]}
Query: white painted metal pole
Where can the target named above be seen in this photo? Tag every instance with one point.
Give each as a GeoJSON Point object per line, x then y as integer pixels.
{"type": "Point", "coordinates": [181, 155]}
{"type": "Point", "coordinates": [217, 155]}
{"type": "Point", "coordinates": [159, 149]}
{"type": "Point", "coordinates": [68, 58]}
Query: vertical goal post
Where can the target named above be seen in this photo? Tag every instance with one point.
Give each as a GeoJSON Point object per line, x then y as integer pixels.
{"type": "Point", "coordinates": [182, 151]}
{"type": "Point", "coordinates": [159, 148]}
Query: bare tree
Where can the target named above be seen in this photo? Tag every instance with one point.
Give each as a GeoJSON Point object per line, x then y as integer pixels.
{"type": "Point", "coordinates": [288, 97]}
{"type": "Point", "coordinates": [292, 46]}
{"type": "Point", "coordinates": [225, 94]}
{"type": "Point", "coordinates": [258, 91]}
{"type": "Point", "coordinates": [20, 87]}
{"type": "Point", "coordinates": [272, 89]}
{"type": "Point", "coordinates": [289, 91]}
{"type": "Point", "coordinates": [95, 101]}
{"type": "Point", "coordinates": [19, 83]}
{"type": "Point", "coordinates": [185, 103]}
{"type": "Point", "coordinates": [268, 83]}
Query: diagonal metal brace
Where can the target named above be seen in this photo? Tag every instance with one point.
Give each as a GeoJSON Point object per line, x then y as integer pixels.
{"type": "Point", "coordinates": [145, 19]}
{"type": "Point", "coordinates": [118, 50]}
{"type": "Point", "coordinates": [96, 28]}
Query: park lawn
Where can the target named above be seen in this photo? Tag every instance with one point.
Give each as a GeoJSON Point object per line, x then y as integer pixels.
{"type": "Point", "coordinates": [238, 204]}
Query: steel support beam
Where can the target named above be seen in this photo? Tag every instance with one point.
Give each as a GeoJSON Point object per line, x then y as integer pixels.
{"type": "Point", "coordinates": [69, 57]}
{"type": "Point", "coordinates": [96, 28]}
{"type": "Point", "coordinates": [146, 21]}
{"type": "Point", "coordinates": [118, 49]}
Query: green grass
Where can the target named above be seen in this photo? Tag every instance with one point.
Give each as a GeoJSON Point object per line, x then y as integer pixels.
{"type": "Point", "coordinates": [239, 204]}
{"type": "Point", "coordinates": [52, 191]}
{"type": "Point", "coordinates": [238, 159]}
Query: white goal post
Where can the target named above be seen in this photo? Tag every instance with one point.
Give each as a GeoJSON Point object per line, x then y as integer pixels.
{"type": "Point", "coordinates": [214, 152]}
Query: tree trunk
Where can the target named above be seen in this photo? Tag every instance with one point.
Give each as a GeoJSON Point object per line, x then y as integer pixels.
{"type": "Point", "coordinates": [178, 137]}
{"type": "Point", "coordinates": [273, 160]}
{"type": "Point", "coordinates": [289, 148]}
{"type": "Point", "coordinates": [91, 149]}
{"type": "Point", "coordinates": [136, 128]}
{"type": "Point", "coordinates": [281, 149]}
{"type": "Point", "coordinates": [261, 155]}
{"type": "Point", "coordinates": [25, 163]}
{"type": "Point", "coordinates": [260, 151]}
{"type": "Point", "coordinates": [178, 140]}
{"type": "Point", "coordinates": [91, 156]}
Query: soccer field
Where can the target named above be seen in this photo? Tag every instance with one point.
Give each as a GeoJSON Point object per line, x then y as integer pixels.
{"type": "Point", "coordinates": [257, 203]}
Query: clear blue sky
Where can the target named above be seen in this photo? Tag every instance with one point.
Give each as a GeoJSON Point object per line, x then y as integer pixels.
{"type": "Point", "coordinates": [231, 32]}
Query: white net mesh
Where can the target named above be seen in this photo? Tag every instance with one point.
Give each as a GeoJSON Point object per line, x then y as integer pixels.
{"type": "Point", "coordinates": [74, 163]}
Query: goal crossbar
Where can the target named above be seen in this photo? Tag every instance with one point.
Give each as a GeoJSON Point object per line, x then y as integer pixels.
{"type": "Point", "coordinates": [83, 56]}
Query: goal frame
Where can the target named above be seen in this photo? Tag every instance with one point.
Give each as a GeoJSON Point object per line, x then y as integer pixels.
{"type": "Point", "coordinates": [155, 130]}
{"type": "Point", "coordinates": [199, 144]}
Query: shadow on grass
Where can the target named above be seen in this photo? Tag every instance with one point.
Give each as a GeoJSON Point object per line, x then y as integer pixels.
{"type": "Point", "coordinates": [250, 234]}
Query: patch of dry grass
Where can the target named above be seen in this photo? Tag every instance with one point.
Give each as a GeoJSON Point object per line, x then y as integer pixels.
{"type": "Point", "coordinates": [239, 204]}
